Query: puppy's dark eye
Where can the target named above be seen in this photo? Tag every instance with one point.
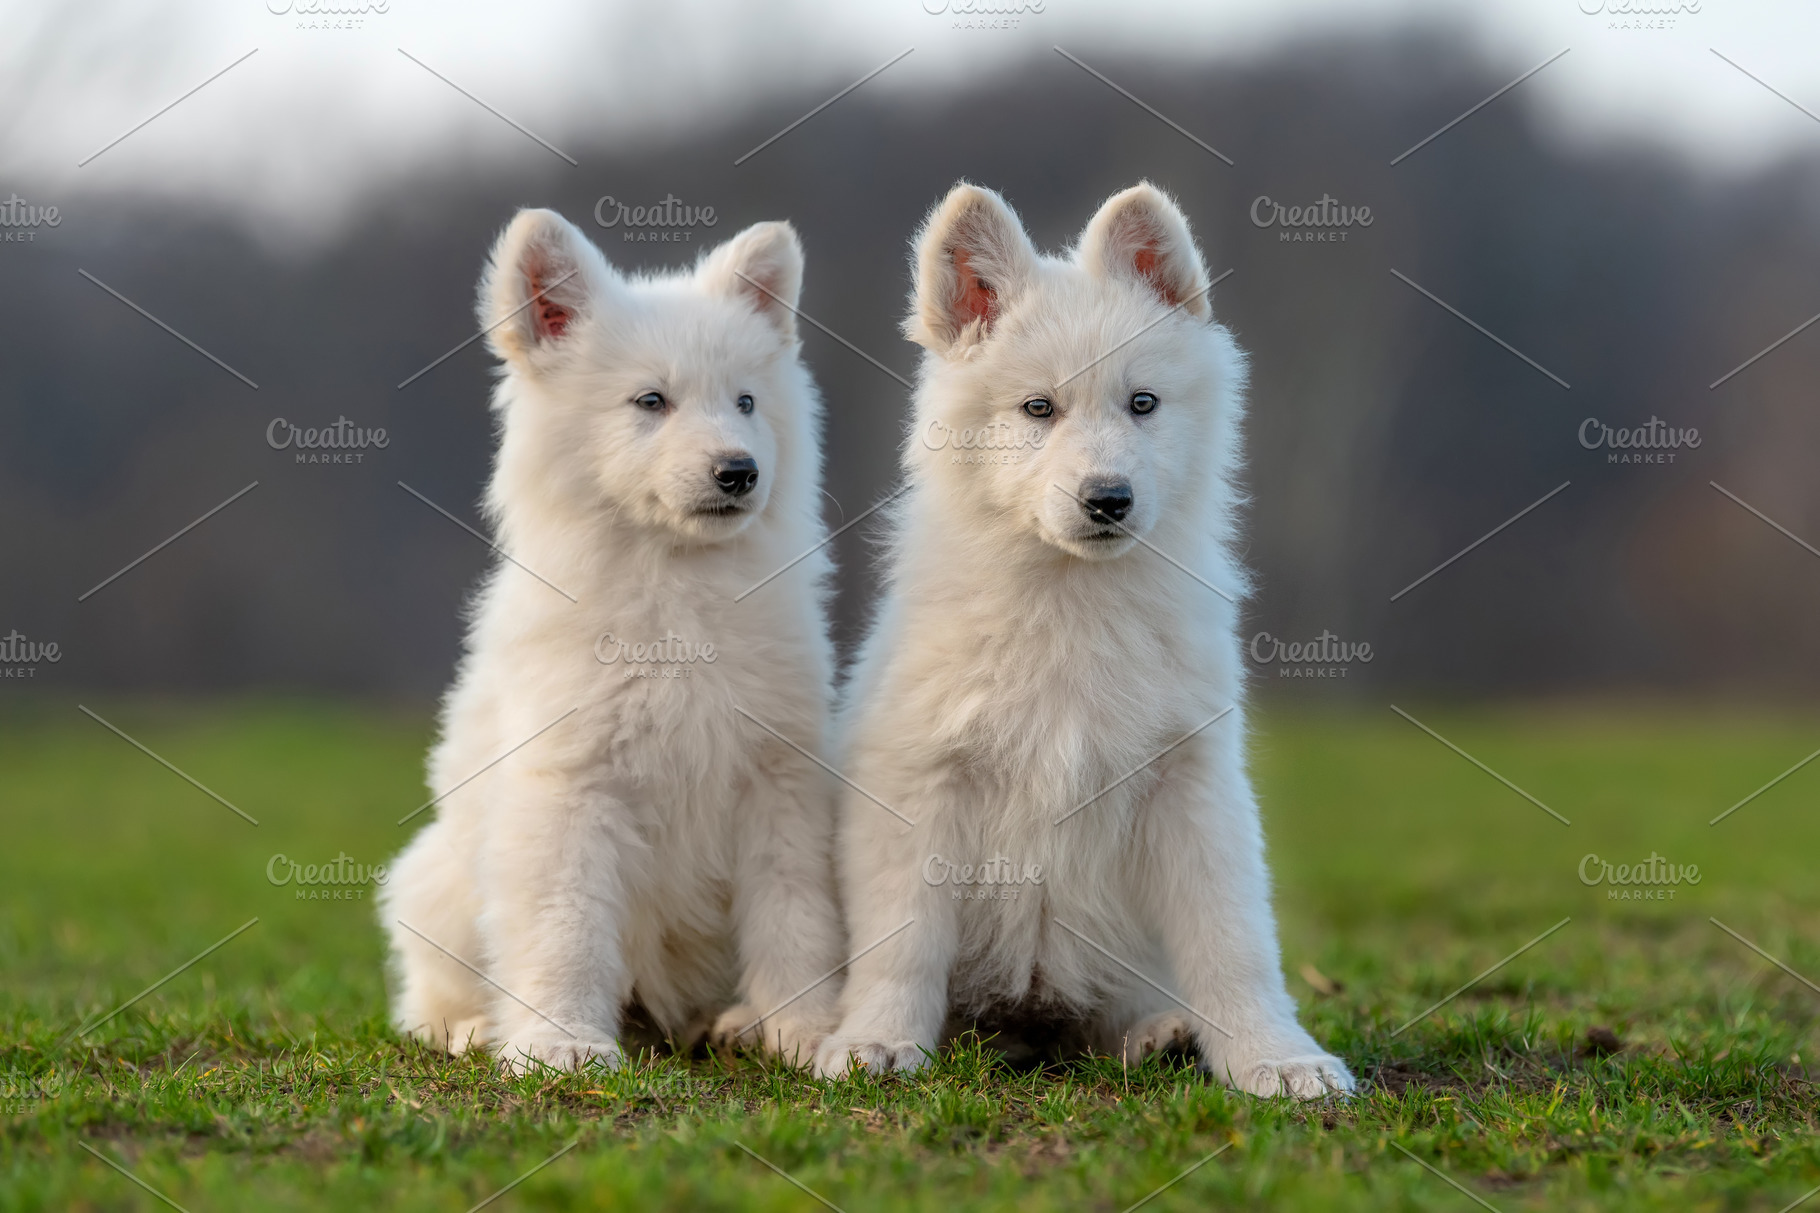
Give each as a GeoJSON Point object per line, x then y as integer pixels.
{"type": "Point", "coordinates": [744, 403]}
{"type": "Point", "coordinates": [1039, 407]}
{"type": "Point", "coordinates": [1143, 402]}
{"type": "Point", "coordinates": [651, 400]}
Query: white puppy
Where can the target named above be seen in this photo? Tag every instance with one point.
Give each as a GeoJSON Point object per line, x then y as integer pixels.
{"type": "Point", "coordinates": [659, 455]}
{"type": "Point", "coordinates": [1051, 690]}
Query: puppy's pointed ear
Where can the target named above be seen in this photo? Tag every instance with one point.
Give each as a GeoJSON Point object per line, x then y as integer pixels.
{"type": "Point", "coordinates": [1140, 235]}
{"type": "Point", "coordinates": [762, 266]}
{"type": "Point", "coordinates": [972, 260]}
{"type": "Point", "coordinates": [543, 279]}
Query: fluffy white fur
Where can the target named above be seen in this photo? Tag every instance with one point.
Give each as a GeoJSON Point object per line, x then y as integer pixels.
{"type": "Point", "coordinates": [1027, 656]}
{"type": "Point", "coordinates": [655, 845]}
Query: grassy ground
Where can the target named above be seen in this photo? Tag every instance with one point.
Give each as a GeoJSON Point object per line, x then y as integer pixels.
{"type": "Point", "coordinates": [263, 1077]}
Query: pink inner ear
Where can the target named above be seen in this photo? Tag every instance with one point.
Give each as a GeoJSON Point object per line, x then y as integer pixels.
{"type": "Point", "coordinates": [1150, 265]}
{"type": "Point", "coordinates": [550, 318]}
{"type": "Point", "coordinates": [976, 300]}
{"type": "Point", "coordinates": [760, 289]}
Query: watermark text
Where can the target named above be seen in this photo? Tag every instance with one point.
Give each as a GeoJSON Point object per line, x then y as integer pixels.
{"type": "Point", "coordinates": [997, 879]}
{"type": "Point", "coordinates": [1322, 222]}
{"type": "Point", "coordinates": [663, 222]}
{"type": "Point", "coordinates": [1653, 442]}
{"type": "Point", "coordinates": [1655, 879]}
{"type": "Point", "coordinates": [1326, 656]}
{"type": "Point", "coordinates": [340, 879]}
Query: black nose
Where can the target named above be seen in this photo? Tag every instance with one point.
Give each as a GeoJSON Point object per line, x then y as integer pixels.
{"type": "Point", "coordinates": [736, 477]}
{"type": "Point", "coordinates": [1107, 500]}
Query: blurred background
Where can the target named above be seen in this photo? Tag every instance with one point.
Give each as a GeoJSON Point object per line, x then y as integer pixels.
{"type": "Point", "coordinates": [1635, 220]}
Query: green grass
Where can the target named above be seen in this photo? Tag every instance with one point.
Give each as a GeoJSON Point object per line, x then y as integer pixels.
{"type": "Point", "coordinates": [263, 1077]}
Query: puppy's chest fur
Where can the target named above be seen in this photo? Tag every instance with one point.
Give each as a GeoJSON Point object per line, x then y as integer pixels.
{"type": "Point", "coordinates": [656, 730]}
{"type": "Point", "coordinates": [1037, 723]}
{"type": "Point", "coordinates": [676, 723]}
{"type": "Point", "coordinates": [1033, 718]}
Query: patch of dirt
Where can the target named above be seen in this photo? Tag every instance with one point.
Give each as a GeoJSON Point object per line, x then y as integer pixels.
{"type": "Point", "coordinates": [1396, 1080]}
{"type": "Point", "coordinates": [1045, 1154]}
{"type": "Point", "coordinates": [1602, 1041]}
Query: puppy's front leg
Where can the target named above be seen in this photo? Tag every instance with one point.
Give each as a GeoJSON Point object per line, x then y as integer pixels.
{"type": "Point", "coordinates": [787, 923]}
{"type": "Point", "coordinates": [896, 998]}
{"type": "Point", "coordinates": [1210, 901]}
{"type": "Point", "coordinates": [554, 896]}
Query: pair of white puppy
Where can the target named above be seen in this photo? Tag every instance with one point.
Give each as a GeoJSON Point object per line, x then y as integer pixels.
{"type": "Point", "coordinates": [1045, 808]}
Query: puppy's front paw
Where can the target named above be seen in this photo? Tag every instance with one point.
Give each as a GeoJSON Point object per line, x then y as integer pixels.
{"type": "Point", "coordinates": [519, 1055]}
{"type": "Point", "coordinates": [1305, 1076]}
{"type": "Point", "coordinates": [457, 1037]}
{"type": "Point", "coordinates": [1165, 1030]}
{"type": "Point", "coordinates": [839, 1055]}
{"type": "Point", "coordinates": [790, 1040]}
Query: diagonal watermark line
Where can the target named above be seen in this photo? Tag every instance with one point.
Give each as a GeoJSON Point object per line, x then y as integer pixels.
{"type": "Point", "coordinates": [1481, 105]}
{"type": "Point", "coordinates": [534, 1170]}
{"type": "Point", "coordinates": [1799, 1200]}
{"type": "Point", "coordinates": [1766, 787]}
{"type": "Point", "coordinates": [1200, 728]}
{"type": "Point", "coordinates": [1475, 762]}
{"type": "Point", "coordinates": [1799, 328]}
{"type": "Point", "coordinates": [218, 75]}
{"type": "Point", "coordinates": [825, 976]}
{"type": "Point", "coordinates": [1765, 517]}
{"type": "Point", "coordinates": [410, 379]}
{"type": "Point", "coordinates": [196, 959]}
{"type": "Point", "coordinates": [1759, 951]}
{"type": "Point", "coordinates": [1481, 539]}
{"type": "Point", "coordinates": [1127, 341]}
{"type": "Point", "coordinates": [1481, 977]}
{"type": "Point", "coordinates": [802, 315]}
{"type": "Point", "coordinates": [789, 1178]}
{"type": "Point", "coordinates": [110, 1162]}
{"type": "Point", "coordinates": [1772, 88]}
{"type": "Point", "coordinates": [1475, 324]}
{"type": "Point", "coordinates": [167, 328]}
{"type": "Point", "coordinates": [483, 770]}
{"type": "Point", "coordinates": [1178, 1179]}
{"type": "Point", "coordinates": [169, 766]}
{"type": "Point", "coordinates": [1446, 1178]}
{"type": "Point", "coordinates": [1166, 993]}
{"type": "Point", "coordinates": [470, 968]}
{"type": "Point", "coordinates": [529, 134]}
{"type": "Point", "coordinates": [1177, 127]}
{"type": "Point", "coordinates": [470, 530]}
{"type": "Point", "coordinates": [174, 538]}
{"type": "Point", "coordinates": [825, 541]}
{"type": "Point", "coordinates": [1099, 517]}
{"type": "Point", "coordinates": [824, 766]}
{"type": "Point", "coordinates": [818, 109]}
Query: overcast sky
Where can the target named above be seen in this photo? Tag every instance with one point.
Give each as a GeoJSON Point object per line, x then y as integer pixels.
{"type": "Point", "coordinates": [316, 119]}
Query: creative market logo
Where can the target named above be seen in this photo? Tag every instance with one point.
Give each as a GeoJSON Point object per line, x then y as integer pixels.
{"type": "Point", "coordinates": [1000, 442]}
{"type": "Point", "coordinates": [1655, 879]}
{"type": "Point", "coordinates": [669, 658]}
{"type": "Point", "coordinates": [997, 879]}
{"type": "Point", "coordinates": [341, 879]}
{"type": "Point", "coordinates": [1325, 221]}
{"type": "Point", "coordinates": [983, 14]}
{"type": "Point", "coordinates": [664, 222]}
{"type": "Point", "coordinates": [1653, 442]}
{"type": "Point", "coordinates": [20, 657]}
{"type": "Point", "coordinates": [342, 442]}
{"type": "Point", "coordinates": [1326, 656]}
{"type": "Point", "coordinates": [20, 220]}
{"type": "Point", "coordinates": [328, 14]}
{"type": "Point", "coordinates": [1640, 14]}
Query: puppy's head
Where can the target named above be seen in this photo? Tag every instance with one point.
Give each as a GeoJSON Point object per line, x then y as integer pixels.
{"type": "Point", "coordinates": [662, 401]}
{"type": "Point", "coordinates": [1101, 379]}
